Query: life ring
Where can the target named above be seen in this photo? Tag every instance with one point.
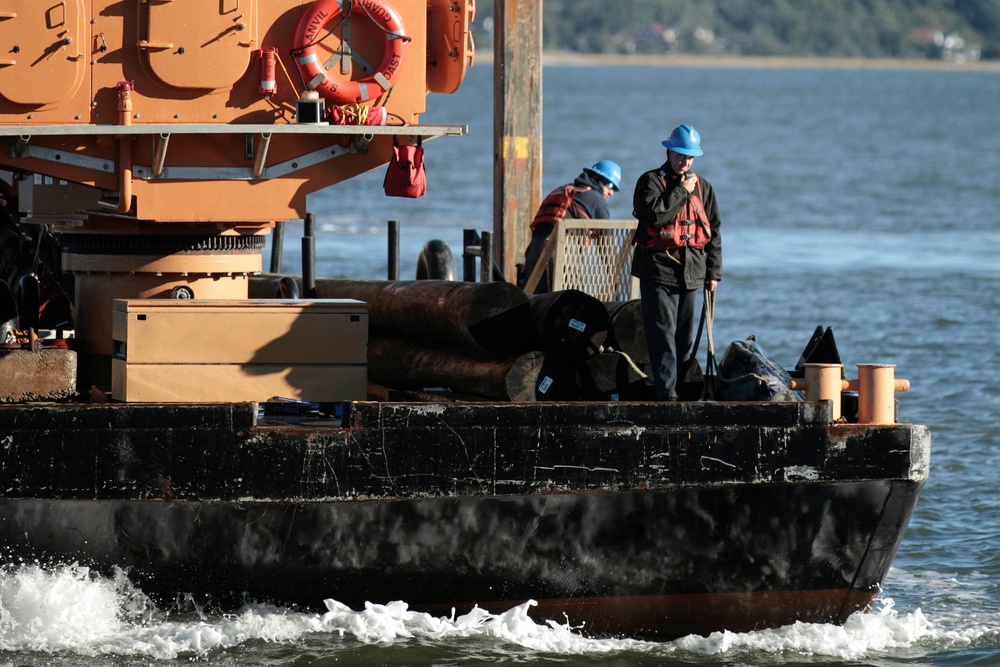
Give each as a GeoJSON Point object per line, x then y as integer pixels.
{"type": "Point", "coordinates": [307, 53]}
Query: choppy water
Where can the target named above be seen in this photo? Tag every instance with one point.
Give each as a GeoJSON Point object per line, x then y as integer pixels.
{"type": "Point", "coordinates": [861, 200]}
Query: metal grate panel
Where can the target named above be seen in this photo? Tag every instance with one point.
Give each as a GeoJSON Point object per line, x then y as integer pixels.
{"type": "Point", "coordinates": [595, 257]}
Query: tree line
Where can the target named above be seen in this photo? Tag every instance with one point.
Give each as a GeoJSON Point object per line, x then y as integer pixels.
{"type": "Point", "coordinates": [935, 29]}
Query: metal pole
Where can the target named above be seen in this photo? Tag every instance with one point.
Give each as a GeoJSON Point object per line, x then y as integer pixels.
{"type": "Point", "coordinates": [160, 156]}
{"type": "Point", "coordinates": [258, 163]}
{"type": "Point", "coordinates": [393, 250]}
{"type": "Point", "coordinates": [309, 257]}
{"type": "Point", "coordinates": [468, 259]}
{"type": "Point", "coordinates": [486, 258]}
{"type": "Point", "coordinates": [277, 243]}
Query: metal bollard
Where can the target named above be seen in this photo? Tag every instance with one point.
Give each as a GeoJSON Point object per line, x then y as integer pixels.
{"type": "Point", "coordinates": [393, 251]}
{"type": "Point", "coordinates": [877, 388]}
{"type": "Point", "coordinates": [309, 256]}
{"type": "Point", "coordinates": [277, 246]}
{"type": "Point", "coordinates": [486, 258]}
{"type": "Point", "coordinates": [470, 239]}
{"type": "Point", "coordinates": [824, 382]}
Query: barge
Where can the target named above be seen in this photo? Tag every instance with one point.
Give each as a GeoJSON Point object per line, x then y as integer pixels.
{"type": "Point", "coordinates": [150, 149]}
{"type": "Point", "coordinates": [637, 519]}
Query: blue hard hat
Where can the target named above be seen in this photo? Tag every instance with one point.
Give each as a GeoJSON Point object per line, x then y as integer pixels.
{"type": "Point", "coordinates": [684, 140]}
{"type": "Point", "coordinates": [609, 171]}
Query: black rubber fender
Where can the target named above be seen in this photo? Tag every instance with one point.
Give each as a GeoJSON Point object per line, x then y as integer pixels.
{"type": "Point", "coordinates": [436, 262]}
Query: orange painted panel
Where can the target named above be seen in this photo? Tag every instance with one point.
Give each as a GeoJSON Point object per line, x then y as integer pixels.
{"type": "Point", "coordinates": [218, 201]}
{"type": "Point", "coordinates": [450, 50]}
{"type": "Point", "coordinates": [199, 45]}
{"type": "Point", "coordinates": [43, 50]}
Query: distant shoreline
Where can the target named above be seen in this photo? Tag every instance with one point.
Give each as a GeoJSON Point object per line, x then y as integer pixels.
{"type": "Point", "coordinates": [584, 59]}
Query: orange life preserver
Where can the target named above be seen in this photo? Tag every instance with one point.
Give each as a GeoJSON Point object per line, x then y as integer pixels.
{"type": "Point", "coordinates": [557, 205]}
{"type": "Point", "coordinates": [306, 50]}
{"type": "Point", "coordinates": [690, 227]}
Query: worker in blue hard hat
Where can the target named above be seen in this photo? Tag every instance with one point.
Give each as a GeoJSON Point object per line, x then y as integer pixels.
{"type": "Point", "coordinates": [585, 198]}
{"type": "Point", "coordinates": [678, 253]}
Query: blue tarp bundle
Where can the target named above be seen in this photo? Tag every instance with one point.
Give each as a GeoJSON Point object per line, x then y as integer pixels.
{"type": "Point", "coordinates": [747, 373]}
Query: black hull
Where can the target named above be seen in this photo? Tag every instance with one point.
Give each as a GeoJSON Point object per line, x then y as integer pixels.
{"type": "Point", "coordinates": [651, 530]}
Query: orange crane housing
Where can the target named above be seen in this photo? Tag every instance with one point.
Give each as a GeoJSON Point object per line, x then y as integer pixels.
{"type": "Point", "coordinates": [160, 140]}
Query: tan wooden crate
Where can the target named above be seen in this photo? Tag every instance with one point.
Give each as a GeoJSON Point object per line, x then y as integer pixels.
{"type": "Point", "coordinates": [226, 383]}
{"type": "Point", "coordinates": [260, 331]}
{"type": "Point", "coordinates": [180, 351]}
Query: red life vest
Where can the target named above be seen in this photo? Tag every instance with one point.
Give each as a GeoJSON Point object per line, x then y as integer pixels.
{"type": "Point", "coordinates": [690, 227]}
{"type": "Point", "coordinates": [557, 205]}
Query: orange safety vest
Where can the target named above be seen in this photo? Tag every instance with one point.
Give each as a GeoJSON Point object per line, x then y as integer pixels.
{"type": "Point", "coordinates": [690, 227]}
{"type": "Point", "coordinates": [557, 204]}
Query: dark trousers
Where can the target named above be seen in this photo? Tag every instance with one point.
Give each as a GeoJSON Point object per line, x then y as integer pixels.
{"type": "Point", "coordinates": [668, 318]}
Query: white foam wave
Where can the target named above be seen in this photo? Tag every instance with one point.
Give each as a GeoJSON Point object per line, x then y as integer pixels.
{"type": "Point", "coordinates": [861, 634]}
{"type": "Point", "coordinates": [68, 609]}
{"type": "Point", "coordinates": [63, 608]}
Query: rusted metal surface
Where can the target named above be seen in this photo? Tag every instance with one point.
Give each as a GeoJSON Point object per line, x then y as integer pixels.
{"type": "Point", "coordinates": [520, 377]}
{"type": "Point", "coordinates": [37, 375]}
{"type": "Point", "coordinates": [692, 613]}
{"type": "Point", "coordinates": [485, 316]}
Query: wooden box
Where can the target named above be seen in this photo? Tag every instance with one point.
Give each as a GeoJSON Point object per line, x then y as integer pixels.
{"type": "Point", "coordinates": [190, 351]}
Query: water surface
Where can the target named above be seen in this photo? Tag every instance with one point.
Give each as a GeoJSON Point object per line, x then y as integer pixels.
{"type": "Point", "coordinates": [861, 200]}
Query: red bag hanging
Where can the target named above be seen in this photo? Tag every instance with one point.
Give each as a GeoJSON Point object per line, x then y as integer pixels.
{"type": "Point", "coordinates": [405, 176]}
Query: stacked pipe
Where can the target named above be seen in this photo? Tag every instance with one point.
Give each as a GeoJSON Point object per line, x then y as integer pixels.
{"type": "Point", "coordinates": [483, 340]}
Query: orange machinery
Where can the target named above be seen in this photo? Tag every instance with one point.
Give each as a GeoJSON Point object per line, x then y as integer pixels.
{"type": "Point", "coordinates": [160, 140]}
